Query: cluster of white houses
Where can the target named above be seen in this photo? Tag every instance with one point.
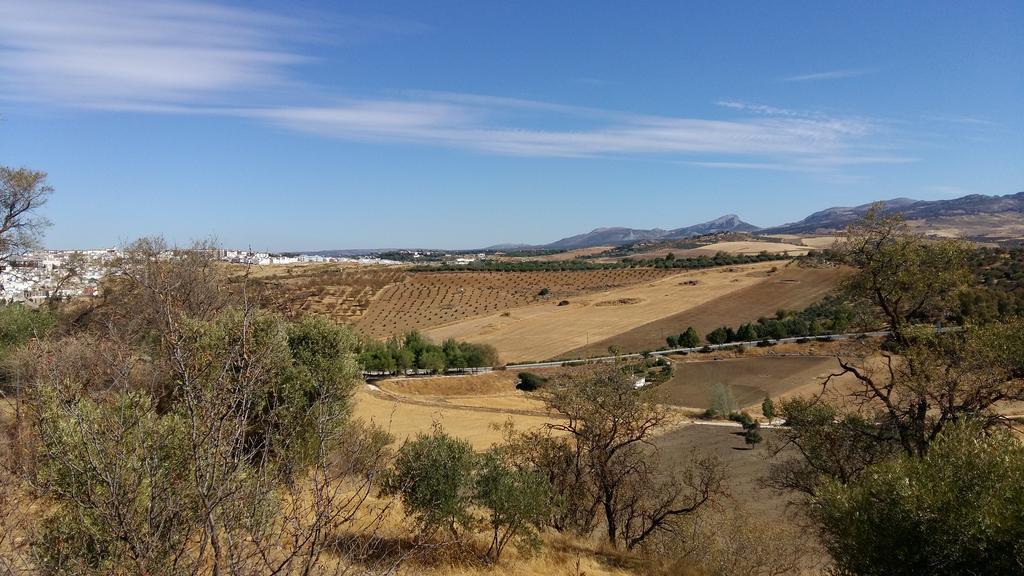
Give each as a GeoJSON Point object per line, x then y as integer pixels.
{"type": "Point", "coordinates": [266, 258]}
{"type": "Point", "coordinates": [37, 276]}
{"type": "Point", "coordinates": [41, 275]}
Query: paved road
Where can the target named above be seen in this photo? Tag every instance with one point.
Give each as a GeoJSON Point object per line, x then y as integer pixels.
{"type": "Point", "coordinates": [746, 344]}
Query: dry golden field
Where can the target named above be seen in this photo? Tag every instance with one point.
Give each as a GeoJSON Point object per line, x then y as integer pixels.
{"type": "Point", "coordinates": [792, 288]}
{"type": "Point", "coordinates": [545, 330]}
{"type": "Point", "coordinates": [474, 407]}
{"type": "Point", "coordinates": [736, 247]}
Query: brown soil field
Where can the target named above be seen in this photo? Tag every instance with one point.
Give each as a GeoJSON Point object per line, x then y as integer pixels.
{"type": "Point", "coordinates": [750, 379]}
{"type": "Point", "coordinates": [486, 384]}
{"type": "Point", "coordinates": [996, 226]}
{"type": "Point", "coordinates": [342, 293]}
{"type": "Point", "coordinates": [746, 467]}
{"type": "Point", "coordinates": [792, 287]}
{"type": "Point", "coordinates": [545, 330]}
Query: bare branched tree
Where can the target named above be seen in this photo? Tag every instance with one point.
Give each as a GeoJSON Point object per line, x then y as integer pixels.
{"type": "Point", "coordinates": [607, 452]}
{"type": "Point", "coordinates": [22, 193]}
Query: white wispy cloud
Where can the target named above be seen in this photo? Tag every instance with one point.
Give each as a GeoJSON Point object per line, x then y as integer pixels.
{"type": "Point", "coordinates": [472, 122]}
{"type": "Point", "coordinates": [828, 75]}
{"type": "Point", "coordinates": [131, 53]}
{"type": "Point", "coordinates": [194, 57]}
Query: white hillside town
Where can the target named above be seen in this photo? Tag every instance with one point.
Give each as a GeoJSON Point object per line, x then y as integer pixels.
{"type": "Point", "coordinates": [40, 275]}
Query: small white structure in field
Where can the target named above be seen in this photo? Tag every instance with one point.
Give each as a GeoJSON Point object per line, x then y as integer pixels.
{"type": "Point", "coordinates": [640, 383]}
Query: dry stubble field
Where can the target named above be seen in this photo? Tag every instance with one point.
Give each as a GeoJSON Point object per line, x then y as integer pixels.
{"type": "Point", "coordinates": [792, 288]}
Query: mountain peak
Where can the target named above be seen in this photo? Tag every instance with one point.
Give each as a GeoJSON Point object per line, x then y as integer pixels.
{"type": "Point", "coordinates": [615, 236]}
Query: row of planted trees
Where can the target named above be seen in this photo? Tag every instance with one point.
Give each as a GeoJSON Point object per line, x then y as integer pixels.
{"type": "Point", "coordinates": [414, 351]}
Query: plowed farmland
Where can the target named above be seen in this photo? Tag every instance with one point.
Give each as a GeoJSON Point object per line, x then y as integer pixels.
{"type": "Point", "coordinates": [750, 379]}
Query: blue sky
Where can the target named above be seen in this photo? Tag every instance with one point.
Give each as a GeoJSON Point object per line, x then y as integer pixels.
{"type": "Point", "coordinates": [316, 125]}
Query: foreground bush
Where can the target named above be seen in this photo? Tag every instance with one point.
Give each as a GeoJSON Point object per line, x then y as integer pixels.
{"type": "Point", "coordinates": [958, 510]}
{"type": "Point", "coordinates": [442, 482]}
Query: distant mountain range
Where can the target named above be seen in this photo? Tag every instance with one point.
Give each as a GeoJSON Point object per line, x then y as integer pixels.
{"type": "Point", "coordinates": [964, 208]}
{"type": "Point", "coordinates": [619, 236]}
{"type": "Point", "coordinates": [984, 217]}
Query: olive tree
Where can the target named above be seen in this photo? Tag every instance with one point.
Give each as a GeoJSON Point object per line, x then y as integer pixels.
{"type": "Point", "coordinates": [958, 510]}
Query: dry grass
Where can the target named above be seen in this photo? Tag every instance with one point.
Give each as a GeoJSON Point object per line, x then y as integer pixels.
{"type": "Point", "coordinates": [546, 330]}
{"type": "Point", "coordinates": [404, 417]}
{"type": "Point", "coordinates": [792, 288]}
{"type": "Point", "coordinates": [486, 384]}
{"type": "Point", "coordinates": [746, 247]}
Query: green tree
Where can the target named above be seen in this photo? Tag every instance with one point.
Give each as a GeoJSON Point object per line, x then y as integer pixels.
{"type": "Point", "coordinates": [752, 435]}
{"type": "Point", "coordinates": [608, 425]}
{"type": "Point", "coordinates": [518, 502]}
{"type": "Point", "coordinates": [453, 355]}
{"type": "Point", "coordinates": [432, 358]}
{"type": "Point", "coordinates": [433, 474]}
{"type": "Point", "coordinates": [20, 324]}
{"type": "Point", "coordinates": [689, 338]}
{"type": "Point", "coordinates": [958, 510]}
{"type": "Point", "coordinates": [768, 409]}
{"type": "Point", "coordinates": [904, 276]}
{"type": "Point", "coordinates": [746, 333]}
{"type": "Point", "coordinates": [718, 336]}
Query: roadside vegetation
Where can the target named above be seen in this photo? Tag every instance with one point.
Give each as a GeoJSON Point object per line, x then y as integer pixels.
{"type": "Point", "coordinates": [415, 352]}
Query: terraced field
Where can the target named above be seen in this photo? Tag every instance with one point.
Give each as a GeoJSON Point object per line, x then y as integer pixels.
{"type": "Point", "coordinates": [385, 301]}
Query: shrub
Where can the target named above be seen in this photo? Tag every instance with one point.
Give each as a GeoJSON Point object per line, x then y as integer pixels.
{"type": "Point", "coordinates": [433, 474]}
{"type": "Point", "coordinates": [722, 400]}
{"type": "Point", "coordinates": [528, 381]}
{"type": "Point", "coordinates": [959, 509]}
{"type": "Point", "coordinates": [518, 502]}
{"type": "Point", "coordinates": [752, 435]}
{"type": "Point", "coordinates": [563, 303]}
{"type": "Point", "coordinates": [543, 292]}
